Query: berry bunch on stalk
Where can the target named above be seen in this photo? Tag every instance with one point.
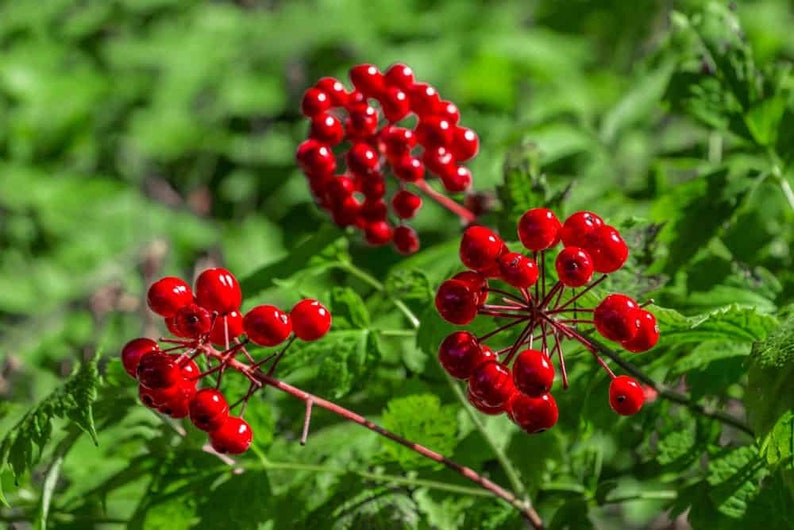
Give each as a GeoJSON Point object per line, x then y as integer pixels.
{"type": "Point", "coordinates": [208, 327]}
{"type": "Point", "coordinates": [389, 125]}
{"type": "Point", "coordinates": [512, 287]}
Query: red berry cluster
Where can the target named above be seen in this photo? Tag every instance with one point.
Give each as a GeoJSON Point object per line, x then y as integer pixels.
{"type": "Point", "coordinates": [198, 318]}
{"type": "Point", "coordinates": [517, 379]}
{"type": "Point", "coordinates": [359, 128]}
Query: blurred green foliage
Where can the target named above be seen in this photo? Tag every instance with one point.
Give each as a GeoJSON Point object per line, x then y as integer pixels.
{"type": "Point", "coordinates": [142, 138]}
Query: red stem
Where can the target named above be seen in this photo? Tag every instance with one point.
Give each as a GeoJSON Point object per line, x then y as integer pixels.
{"type": "Point", "coordinates": [464, 213]}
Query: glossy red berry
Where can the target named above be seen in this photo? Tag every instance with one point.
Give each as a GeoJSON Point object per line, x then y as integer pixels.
{"type": "Point", "coordinates": [395, 104]}
{"type": "Point", "coordinates": [335, 90]}
{"type": "Point", "coordinates": [533, 373]}
{"type": "Point", "coordinates": [477, 283]}
{"type": "Point", "coordinates": [539, 229]}
{"type": "Point", "coordinates": [460, 353]}
{"type": "Point", "coordinates": [409, 169]}
{"type": "Point", "coordinates": [367, 79]}
{"type": "Point", "coordinates": [193, 321]}
{"type": "Point", "coordinates": [456, 303]}
{"type": "Point", "coordinates": [617, 318]}
{"type": "Point", "coordinates": [480, 247]}
{"type": "Point", "coordinates": [400, 76]}
{"type": "Point", "coordinates": [267, 325]}
{"type": "Point", "coordinates": [229, 325]}
{"type": "Point", "coordinates": [158, 370]}
{"type": "Point", "coordinates": [327, 128]}
{"type": "Point", "coordinates": [176, 405]}
{"type": "Point", "coordinates": [457, 179]}
{"type": "Point", "coordinates": [406, 240]}
{"type": "Point", "coordinates": [626, 396]}
{"type": "Point", "coordinates": [362, 159]}
{"type": "Point", "coordinates": [450, 112]}
{"type": "Point", "coordinates": [233, 437]}
{"type": "Point", "coordinates": [465, 144]}
{"type": "Point", "coordinates": [577, 227]}
{"type": "Point", "coordinates": [438, 160]}
{"type": "Point", "coordinates": [132, 352]}
{"type": "Point", "coordinates": [481, 406]}
{"type": "Point", "coordinates": [310, 319]}
{"type": "Point", "coordinates": [424, 99]}
{"type": "Point", "coordinates": [167, 295]}
{"type": "Point", "coordinates": [398, 142]}
{"type": "Point", "coordinates": [607, 248]}
{"type": "Point", "coordinates": [647, 335]}
{"type": "Point", "coordinates": [315, 102]}
{"type": "Point", "coordinates": [378, 233]}
{"type": "Point", "coordinates": [434, 131]}
{"type": "Point", "coordinates": [188, 368]}
{"type": "Point", "coordinates": [492, 383]}
{"type": "Point", "coordinates": [315, 158]}
{"type": "Point", "coordinates": [574, 266]}
{"type": "Point", "coordinates": [405, 204]}
{"type": "Point", "coordinates": [170, 323]}
{"type": "Point", "coordinates": [518, 270]}
{"type": "Point", "coordinates": [217, 290]}
{"type": "Point", "coordinates": [208, 409]}
{"type": "Point", "coordinates": [533, 414]}
{"type": "Point", "coordinates": [362, 123]}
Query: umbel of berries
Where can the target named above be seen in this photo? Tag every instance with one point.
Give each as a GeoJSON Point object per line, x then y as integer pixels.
{"type": "Point", "coordinates": [538, 292]}
{"type": "Point", "coordinates": [371, 152]}
{"type": "Point", "coordinates": [209, 333]}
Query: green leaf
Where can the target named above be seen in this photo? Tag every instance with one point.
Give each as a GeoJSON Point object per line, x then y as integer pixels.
{"type": "Point", "coordinates": [420, 418]}
{"type": "Point", "coordinates": [770, 394]}
{"type": "Point", "coordinates": [409, 285]}
{"type": "Point", "coordinates": [734, 477]}
{"type": "Point", "coordinates": [22, 447]}
{"type": "Point", "coordinates": [731, 323]}
{"type": "Point", "coordinates": [675, 445]}
{"type": "Point", "coordinates": [348, 309]}
{"type": "Point", "coordinates": [777, 447]}
{"type": "Point", "coordinates": [572, 516]}
{"type": "Point", "coordinates": [246, 499]}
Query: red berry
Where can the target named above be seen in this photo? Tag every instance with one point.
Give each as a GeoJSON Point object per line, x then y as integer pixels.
{"type": "Point", "coordinates": [378, 233]}
{"type": "Point", "coordinates": [574, 266]}
{"type": "Point", "coordinates": [476, 282]}
{"type": "Point", "coordinates": [193, 321]}
{"type": "Point", "coordinates": [424, 99]}
{"type": "Point", "coordinates": [340, 188]}
{"type": "Point", "coordinates": [373, 211]}
{"type": "Point", "coordinates": [315, 158]}
{"type": "Point", "coordinates": [188, 368]}
{"type": "Point", "coordinates": [362, 159]}
{"type": "Point", "coordinates": [217, 290]}
{"type": "Point", "coordinates": [132, 352]}
{"type": "Point", "coordinates": [406, 204]}
{"type": "Point", "coordinates": [406, 240]}
{"type": "Point", "coordinates": [315, 102]}
{"type": "Point", "coordinates": [647, 335]}
{"type": "Point", "coordinates": [267, 325]}
{"type": "Point", "coordinates": [395, 104]}
{"type": "Point", "coordinates": [617, 318]}
{"type": "Point", "coordinates": [434, 131]}
{"type": "Point", "coordinates": [577, 227]}
{"type": "Point", "coordinates": [409, 169]}
{"type": "Point", "coordinates": [465, 144]}
{"type": "Point", "coordinates": [310, 319]}
{"type": "Point", "coordinates": [626, 396]}
{"type": "Point", "coordinates": [362, 123]}
{"type": "Point", "coordinates": [450, 112]}
{"type": "Point", "coordinates": [539, 229]}
{"type": "Point", "coordinates": [460, 353]}
{"type": "Point", "coordinates": [607, 248]}
{"type": "Point", "coordinates": [153, 398]}
{"type": "Point", "coordinates": [231, 322]}
{"type": "Point", "coordinates": [158, 370]}
{"type": "Point", "coordinates": [456, 303]}
{"type": "Point", "coordinates": [533, 373]}
{"type": "Point", "coordinates": [233, 437]}
{"type": "Point", "coordinates": [533, 414]}
{"type": "Point", "coordinates": [492, 383]}
{"type": "Point", "coordinates": [170, 323]}
{"type": "Point", "coordinates": [167, 295]}
{"type": "Point", "coordinates": [176, 405]}
{"type": "Point", "coordinates": [327, 128]}
{"type": "Point", "coordinates": [438, 160]}
{"type": "Point", "coordinates": [481, 406]}
{"type": "Point", "coordinates": [334, 89]}
{"type": "Point", "coordinates": [518, 270]}
{"type": "Point", "coordinates": [480, 247]}
{"type": "Point", "coordinates": [367, 79]}
{"type": "Point", "coordinates": [400, 76]}
{"type": "Point", "coordinates": [457, 180]}
{"type": "Point", "coordinates": [398, 142]}
{"type": "Point", "coordinates": [208, 409]}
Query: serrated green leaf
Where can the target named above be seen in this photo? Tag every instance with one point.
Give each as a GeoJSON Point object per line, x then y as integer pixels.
{"type": "Point", "coordinates": [731, 323]}
{"type": "Point", "coordinates": [420, 418]}
{"type": "Point", "coordinates": [348, 309]}
{"type": "Point", "coordinates": [735, 477]}
{"type": "Point", "coordinates": [777, 447]}
{"type": "Point", "coordinates": [572, 516]}
{"type": "Point", "coordinates": [675, 445]}
{"type": "Point", "coordinates": [23, 445]}
{"type": "Point", "coordinates": [409, 285]}
{"type": "Point", "coordinates": [246, 499]}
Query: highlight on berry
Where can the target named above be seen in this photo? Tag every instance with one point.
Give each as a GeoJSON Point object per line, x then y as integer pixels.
{"type": "Point", "coordinates": [210, 333]}
{"type": "Point", "coordinates": [373, 151]}
{"type": "Point", "coordinates": [536, 296]}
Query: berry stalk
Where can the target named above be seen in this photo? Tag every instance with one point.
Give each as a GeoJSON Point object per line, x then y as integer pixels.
{"type": "Point", "coordinates": [466, 215]}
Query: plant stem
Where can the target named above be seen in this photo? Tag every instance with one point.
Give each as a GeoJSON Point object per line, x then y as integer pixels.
{"type": "Point", "coordinates": [668, 393]}
{"type": "Point", "coordinates": [464, 213]}
{"type": "Point", "coordinates": [523, 507]}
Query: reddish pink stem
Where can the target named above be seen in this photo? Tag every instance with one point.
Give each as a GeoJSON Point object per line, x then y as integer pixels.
{"type": "Point", "coordinates": [461, 211]}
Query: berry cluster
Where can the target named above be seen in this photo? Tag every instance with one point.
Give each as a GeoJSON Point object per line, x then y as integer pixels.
{"type": "Point", "coordinates": [517, 379]}
{"type": "Point", "coordinates": [202, 317]}
{"type": "Point", "coordinates": [355, 134]}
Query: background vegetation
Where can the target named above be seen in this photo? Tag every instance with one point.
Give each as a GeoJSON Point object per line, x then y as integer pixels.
{"type": "Point", "coordinates": [140, 138]}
